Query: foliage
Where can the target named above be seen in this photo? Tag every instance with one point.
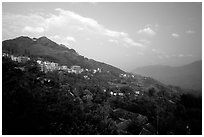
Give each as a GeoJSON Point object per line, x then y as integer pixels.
{"type": "Point", "coordinates": [69, 104]}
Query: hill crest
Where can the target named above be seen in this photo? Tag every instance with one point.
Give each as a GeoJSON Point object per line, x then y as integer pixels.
{"type": "Point", "coordinates": [45, 48]}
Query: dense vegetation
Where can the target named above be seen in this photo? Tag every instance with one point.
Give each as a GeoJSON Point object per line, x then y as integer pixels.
{"type": "Point", "coordinates": [60, 103]}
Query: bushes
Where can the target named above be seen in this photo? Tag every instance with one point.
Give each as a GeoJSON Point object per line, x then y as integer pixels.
{"type": "Point", "coordinates": [193, 106]}
{"type": "Point", "coordinates": [151, 92]}
{"type": "Point", "coordinates": [32, 107]}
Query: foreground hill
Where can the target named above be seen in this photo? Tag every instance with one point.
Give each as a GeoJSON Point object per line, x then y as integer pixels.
{"type": "Point", "coordinates": [61, 103]}
{"type": "Point", "coordinates": [51, 51]}
{"type": "Point", "coordinates": [187, 76]}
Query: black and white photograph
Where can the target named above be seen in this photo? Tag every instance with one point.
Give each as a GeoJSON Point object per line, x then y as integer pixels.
{"type": "Point", "coordinates": [101, 68]}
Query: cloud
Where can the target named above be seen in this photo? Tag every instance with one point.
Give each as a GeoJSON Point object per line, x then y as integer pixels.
{"type": "Point", "coordinates": [181, 55]}
{"type": "Point", "coordinates": [146, 42]}
{"type": "Point", "coordinates": [63, 23]}
{"type": "Point", "coordinates": [175, 35]}
{"type": "Point", "coordinates": [187, 55]}
{"type": "Point", "coordinates": [72, 39]}
{"type": "Point", "coordinates": [112, 33]}
{"type": "Point", "coordinates": [147, 30]}
{"type": "Point", "coordinates": [189, 31]}
{"type": "Point", "coordinates": [17, 24]}
{"type": "Point", "coordinates": [162, 54]}
{"type": "Point", "coordinates": [71, 15]}
{"type": "Point", "coordinates": [92, 26]}
{"type": "Point", "coordinates": [113, 41]}
{"type": "Point", "coordinates": [131, 42]}
{"type": "Point", "coordinates": [33, 29]}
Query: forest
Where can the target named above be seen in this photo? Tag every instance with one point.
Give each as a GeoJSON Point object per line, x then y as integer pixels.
{"type": "Point", "coordinates": [58, 103]}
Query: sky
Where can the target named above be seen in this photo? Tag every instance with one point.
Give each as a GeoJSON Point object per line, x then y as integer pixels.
{"type": "Point", "coordinates": [123, 34]}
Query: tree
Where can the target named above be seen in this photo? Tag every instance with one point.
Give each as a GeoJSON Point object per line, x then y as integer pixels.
{"type": "Point", "coordinates": [151, 92]}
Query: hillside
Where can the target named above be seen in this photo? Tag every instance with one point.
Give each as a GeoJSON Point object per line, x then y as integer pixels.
{"type": "Point", "coordinates": [107, 102]}
{"type": "Point", "coordinates": [51, 51]}
{"type": "Point", "coordinates": [188, 76]}
{"type": "Point", "coordinates": [59, 103]}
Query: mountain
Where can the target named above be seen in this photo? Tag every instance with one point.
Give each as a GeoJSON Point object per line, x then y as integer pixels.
{"type": "Point", "coordinates": [107, 102]}
{"type": "Point", "coordinates": [188, 76]}
{"type": "Point", "coordinates": [51, 51]}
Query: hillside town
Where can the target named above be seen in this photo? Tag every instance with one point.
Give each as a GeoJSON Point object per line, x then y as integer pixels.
{"type": "Point", "coordinates": [46, 66]}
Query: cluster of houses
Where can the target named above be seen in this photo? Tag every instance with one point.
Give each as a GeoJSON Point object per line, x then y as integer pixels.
{"type": "Point", "coordinates": [126, 76]}
{"type": "Point", "coordinates": [19, 59]}
{"type": "Point", "coordinates": [47, 66]}
{"type": "Point", "coordinates": [136, 93]}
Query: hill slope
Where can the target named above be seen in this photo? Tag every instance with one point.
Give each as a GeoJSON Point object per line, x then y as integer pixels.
{"type": "Point", "coordinates": [49, 50]}
{"type": "Point", "coordinates": [187, 76]}
{"type": "Point", "coordinates": [108, 102]}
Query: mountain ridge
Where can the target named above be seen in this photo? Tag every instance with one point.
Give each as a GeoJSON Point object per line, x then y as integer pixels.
{"type": "Point", "coordinates": [188, 76]}
{"type": "Point", "coordinates": [46, 48]}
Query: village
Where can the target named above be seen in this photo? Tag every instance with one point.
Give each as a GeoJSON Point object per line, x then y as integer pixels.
{"type": "Point", "coordinates": [47, 66]}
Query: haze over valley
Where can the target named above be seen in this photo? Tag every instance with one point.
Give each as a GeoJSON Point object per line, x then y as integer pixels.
{"type": "Point", "coordinates": [188, 76]}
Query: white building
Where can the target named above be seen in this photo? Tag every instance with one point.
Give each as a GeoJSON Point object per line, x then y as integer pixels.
{"type": "Point", "coordinates": [121, 94]}
{"type": "Point", "coordinates": [76, 69]}
{"type": "Point", "coordinates": [137, 92]}
{"type": "Point", "coordinates": [64, 67]}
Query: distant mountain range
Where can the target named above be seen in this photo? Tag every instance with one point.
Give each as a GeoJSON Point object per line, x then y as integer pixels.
{"type": "Point", "coordinates": [188, 76]}
{"type": "Point", "coordinates": [51, 51]}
